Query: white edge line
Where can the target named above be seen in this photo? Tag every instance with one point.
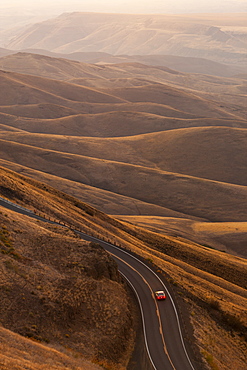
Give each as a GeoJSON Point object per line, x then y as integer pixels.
{"type": "Point", "coordinates": [174, 307]}
{"type": "Point", "coordinates": [162, 283]}
{"type": "Point", "coordinates": [143, 320]}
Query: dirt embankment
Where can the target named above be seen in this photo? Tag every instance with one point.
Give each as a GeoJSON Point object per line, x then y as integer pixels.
{"type": "Point", "coordinates": [59, 290]}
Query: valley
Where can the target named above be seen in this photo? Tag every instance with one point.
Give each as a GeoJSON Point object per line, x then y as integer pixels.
{"type": "Point", "coordinates": [130, 139]}
{"type": "Point", "coordinates": [132, 129]}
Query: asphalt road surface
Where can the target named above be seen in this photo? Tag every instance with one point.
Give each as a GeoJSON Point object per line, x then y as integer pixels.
{"type": "Point", "coordinates": [162, 331]}
{"type": "Point", "coordinates": [161, 327]}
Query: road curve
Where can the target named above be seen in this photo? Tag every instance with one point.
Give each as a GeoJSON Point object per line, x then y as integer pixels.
{"type": "Point", "coordinates": [161, 327]}
{"type": "Point", "coordinates": [162, 331]}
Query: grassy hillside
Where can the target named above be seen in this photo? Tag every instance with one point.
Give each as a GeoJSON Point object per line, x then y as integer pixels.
{"type": "Point", "coordinates": [199, 152]}
{"type": "Point", "coordinates": [31, 90]}
{"type": "Point", "coordinates": [41, 262]}
{"type": "Point", "coordinates": [178, 63]}
{"type": "Point", "coordinates": [129, 75]}
{"type": "Point", "coordinates": [130, 139]}
{"type": "Point", "coordinates": [135, 151]}
{"type": "Point", "coordinates": [18, 352]}
{"type": "Point", "coordinates": [229, 237]}
{"type": "Point", "coordinates": [56, 289]}
{"type": "Point", "coordinates": [216, 201]}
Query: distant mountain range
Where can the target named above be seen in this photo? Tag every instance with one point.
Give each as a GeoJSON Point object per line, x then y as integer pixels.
{"type": "Point", "coordinates": [221, 39]}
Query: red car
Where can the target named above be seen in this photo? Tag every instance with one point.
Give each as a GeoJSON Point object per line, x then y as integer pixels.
{"type": "Point", "coordinates": [160, 294]}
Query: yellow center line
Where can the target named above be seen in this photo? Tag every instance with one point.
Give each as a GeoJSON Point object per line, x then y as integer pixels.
{"type": "Point", "coordinates": [157, 308]}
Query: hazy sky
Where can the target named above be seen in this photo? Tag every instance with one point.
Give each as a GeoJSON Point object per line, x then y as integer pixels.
{"type": "Point", "coordinates": [128, 6]}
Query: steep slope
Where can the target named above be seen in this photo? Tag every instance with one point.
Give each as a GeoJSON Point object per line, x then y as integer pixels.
{"type": "Point", "coordinates": [56, 288]}
{"type": "Point", "coordinates": [34, 89]}
{"type": "Point", "coordinates": [178, 63]}
{"type": "Point", "coordinates": [60, 121]}
{"type": "Point", "coordinates": [163, 94]}
{"type": "Point", "coordinates": [45, 66]}
{"type": "Point", "coordinates": [206, 283]}
{"type": "Point", "coordinates": [18, 352]}
{"type": "Point", "coordinates": [215, 201]}
{"type": "Point", "coordinates": [224, 96]}
{"type": "Point", "coordinates": [133, 139]}
{"type": "Point", "coordinates": [229, 237]}
{"type": "Point", "coordinates": [215, 153]}
{"type": "Point", "coordinates": [109, 202]}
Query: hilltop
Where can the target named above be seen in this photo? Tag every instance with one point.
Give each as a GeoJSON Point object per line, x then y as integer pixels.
{"type": "Point", "coordinates": [219, 38]}
{"type": "Point", "coordinates": [132, 139]}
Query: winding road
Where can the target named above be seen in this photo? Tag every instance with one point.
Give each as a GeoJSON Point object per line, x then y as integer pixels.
{"type": "Point", "coordinates": [162, 332]}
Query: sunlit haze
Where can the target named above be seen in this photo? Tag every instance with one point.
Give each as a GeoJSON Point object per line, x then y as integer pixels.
{"type": "Point", "coordinates": [127, 6]}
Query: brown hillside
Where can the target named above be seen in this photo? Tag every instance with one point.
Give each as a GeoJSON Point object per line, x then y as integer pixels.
{"type": "Point", "coordinates": [160, 150]}
{"type": "Point", "coordinates": [109, 202]}
{"type": "Point", "coordinates": [178, 143]}
{"type": "Point", "coordinates": [178, 63]}
{"type": "Point", "coordinates": [229, 91]}
{"type": "Point", "coordinates": [175, 98]}
{"type": "Point", "coordinates": [127, 74]}
{"type": "Point", "coordinates": [210, 284]}
{"type": "Point", "coordinates": [42, 110]}
{"type": "Point", "coordinates": [18, 353]}
{"type": "Point", "coordinates": [213, 147]}
{"type": "Point", "coordinates": [44, 66]}
{"type": "Point", "coordinates": [216, 201]}
{"type": "Point", "coordinates": [226, 236]}
{"type": "Point", "coordinates": [103, 124]}
{"type": "Point", "coordinates": [47, 272]}
{"type": "Point", "coordinates": [27, 89]}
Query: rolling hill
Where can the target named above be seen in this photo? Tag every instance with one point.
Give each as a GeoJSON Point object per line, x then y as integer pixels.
{"type": "Point", "coordinates": [129, 138]}
{"type": "Point", "coordinates": [50, 273]}
{"type": "Point", "coordinates": [167, 150]}
{"type": "Point", "coordinates": [131, 128]}
{"type": "Point", "coordinates": [179, 63]}
{"type": "Point", "coordinates": [152, 84]}
{"type": "Point", "coordinates": [119, 34]}
{"type": "Point", "coordinates": [216, 201]}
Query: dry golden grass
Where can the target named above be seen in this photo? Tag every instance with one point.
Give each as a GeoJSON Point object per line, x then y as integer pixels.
{"type": "Point", "coordinates": [216, 301]}
{"type": "Point", "coordinates": [215, 201]}
{"type": "Point", "coordinates": [18, 353]}
{"type": "Point", "coordinates": [161, 94]}
{"type": "Point", "coordinates": [26, 89]}
{"type": "Point", "coordinates": [167, 150]}
{"type": "Point", "coordinates": [63, 268]}
{"type": "Point", "coordinates": [177, 150]}
{"type": "Point", "coordinates": [210, 283]}
{"type": "Point", "coordinates": [33, 111]}
{"type": "Point", "coordinates": [183, 156]}
{"type": "Point", "coordinates": [59, 290]}
{"type": "Point", "coordinates": [103, 200]}
{"type": "Point", "coordinates": [225, 236]}
{"type": "Point", "coordinates": [79, 165]}
{"type": "Point", "coordinates": [60, 121]}
{"type": "Point", "coordinates": [44, 66]}
{"type": "Point", "coordinates": [187, 94]}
